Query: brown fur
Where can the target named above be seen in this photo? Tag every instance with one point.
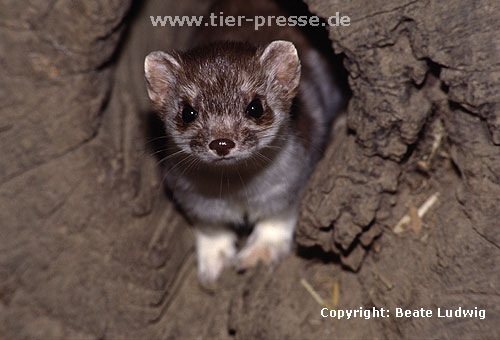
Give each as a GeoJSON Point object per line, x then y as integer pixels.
{"type": "Point", "coordinates": [219, 80]}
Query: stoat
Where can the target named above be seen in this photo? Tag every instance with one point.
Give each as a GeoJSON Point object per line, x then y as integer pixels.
{"type": "Point", "coordinates": [244, 134]}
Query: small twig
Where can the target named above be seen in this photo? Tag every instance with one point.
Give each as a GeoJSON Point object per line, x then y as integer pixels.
{"type": "Point", "coordinates": [313, 293]}
{"type": "Point", "coordinates": [416, 222]}
{"type": "Point", "coordinates": [382, 278]}
{"type": "Point", "coordinates": [427, 205]}
{"type": "Point", "coordinates": [335, 294]}
{"type": "Point", "coordinates": [406, 219]}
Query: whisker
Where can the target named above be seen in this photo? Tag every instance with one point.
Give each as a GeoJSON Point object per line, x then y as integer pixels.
{"type": "Point", "coordinates": [169, 157]}
{"type": "Point", "coordinates": [244, 187]}
{"type": "Point", "coordinates": [220, 186]}
{"type": "Point", "coordinates": [155, 139]}
{"type": "Point", "coordinates": [186, 168]}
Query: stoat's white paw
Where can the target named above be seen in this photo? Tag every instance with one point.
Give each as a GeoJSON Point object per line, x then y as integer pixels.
{"type": "Point", "coordinates": [214, 251]}
{"type": "Point", "coordinates": [270, 241]}
{"type": "Point", "coordinates": [269, 253]}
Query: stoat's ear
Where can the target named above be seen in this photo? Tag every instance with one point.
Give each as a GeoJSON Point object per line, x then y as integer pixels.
{"type": "Point", "coordinates": [160, 69]}
{"type": "Point", "coordinates": [281, 62]}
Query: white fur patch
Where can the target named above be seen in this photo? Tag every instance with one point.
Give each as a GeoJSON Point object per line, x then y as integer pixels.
{"type": "Point", "coordinates": [214, 249]}
{"type": "Point", "coordinates": [275, 229]}
{"type": "Point", "coordinates": [269, 242]}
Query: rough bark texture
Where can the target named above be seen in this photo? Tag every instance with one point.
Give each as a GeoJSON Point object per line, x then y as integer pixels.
{"type": "Point", "coordinates": [90, 246]}
{"type": "Point", "coordinates": [87, 233]}
{"type": "Point", "coordinates": [393, 53]}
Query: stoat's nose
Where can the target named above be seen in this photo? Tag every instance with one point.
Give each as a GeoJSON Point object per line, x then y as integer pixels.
{"type": "Point", "coordinates": [221, 146]}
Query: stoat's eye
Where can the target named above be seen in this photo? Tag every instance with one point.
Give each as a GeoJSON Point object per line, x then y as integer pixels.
{"type": "Point", "coordinates": [254, 109]}
{"type": "Point", "coordinates": [188, 114]}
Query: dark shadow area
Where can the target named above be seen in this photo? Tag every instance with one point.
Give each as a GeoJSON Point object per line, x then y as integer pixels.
{"type": "Point", "coordinates": [126, 26]}
{"type": "Point", "coordinates": [316, 253]}
{"type": "Point", "coordinates": [318, 37]}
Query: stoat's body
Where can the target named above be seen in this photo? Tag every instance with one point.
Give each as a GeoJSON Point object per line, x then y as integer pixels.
{"type": "Point", "coordinates": [240, 152]}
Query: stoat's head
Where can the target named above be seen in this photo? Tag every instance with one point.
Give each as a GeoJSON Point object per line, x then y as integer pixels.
{"type": "Point", "coordinates": [226, 101]}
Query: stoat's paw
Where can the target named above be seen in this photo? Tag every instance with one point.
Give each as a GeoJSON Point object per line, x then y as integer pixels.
{"type": "Point", "coordinates": [214, 251]}
{"type": "Point", "coordinates": [269, 243]}
{"type": "Point", "coordinates": [268, 253]}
